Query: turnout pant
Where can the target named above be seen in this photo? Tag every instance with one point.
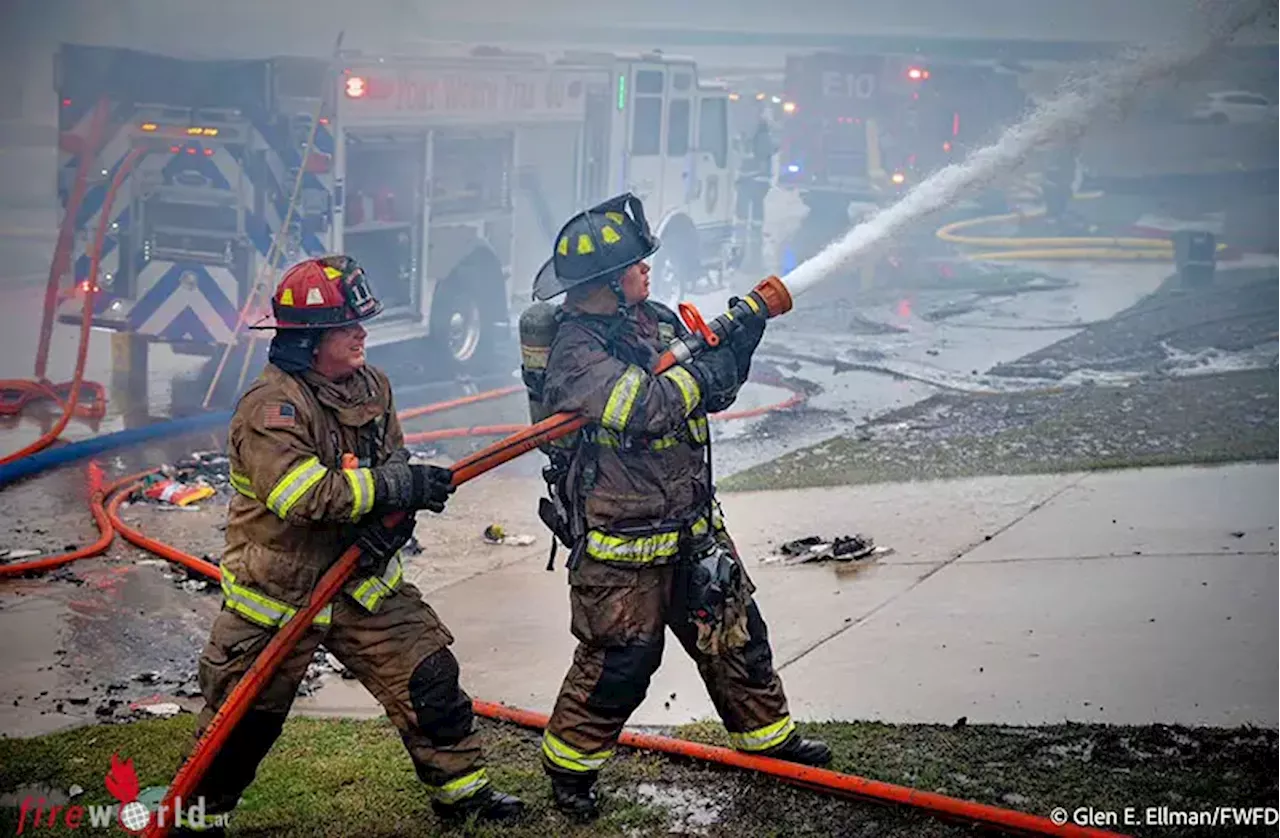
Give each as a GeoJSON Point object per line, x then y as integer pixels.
{"type": "Point", "coordinates": [620, 616]}
{"type": "Point", "coordinates": [400, 654]}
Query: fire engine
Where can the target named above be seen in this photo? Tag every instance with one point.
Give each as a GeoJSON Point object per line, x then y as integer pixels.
{"type": "Point", "coordinates": [867, 127]}
{"type": "Point", "coordinates": [446, 176]}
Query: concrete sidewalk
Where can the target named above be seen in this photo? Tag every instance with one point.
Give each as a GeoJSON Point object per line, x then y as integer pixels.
{"type": "Point", "coordinates": [1124, 597]}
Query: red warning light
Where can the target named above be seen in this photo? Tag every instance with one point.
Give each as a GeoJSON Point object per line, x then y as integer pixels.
{"type": "Point", "coordinates": [917, 73]}
{"type": "Point", "coordinates": [356, 87]}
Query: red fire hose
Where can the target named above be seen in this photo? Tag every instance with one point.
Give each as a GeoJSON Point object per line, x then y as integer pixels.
{"type": "Point", "coordinates": [522, 440]}
{"type": "Point", "coordinates": [16, 394]}
{"type": "Point", "coordinates": [97, 494]}
{"type": "Point", "coordinates": [72, 403]}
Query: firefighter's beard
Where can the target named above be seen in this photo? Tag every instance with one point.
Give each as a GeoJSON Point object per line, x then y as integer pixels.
{"type": "Point", "coordinates": [341, 352]}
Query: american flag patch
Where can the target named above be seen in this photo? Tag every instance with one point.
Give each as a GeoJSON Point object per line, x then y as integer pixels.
{"type": "Point", "coordinates": [278, 415]}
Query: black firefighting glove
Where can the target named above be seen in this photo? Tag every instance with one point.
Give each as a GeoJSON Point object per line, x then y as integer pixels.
{"type": "Point", "coordinates": [405, 486]}
{"type": "Point", "coordinates": [379, 544]}
{"type": "Point", "coordinates": [744, 339]}
{"type": "Point", "coordinates": [716, 371]}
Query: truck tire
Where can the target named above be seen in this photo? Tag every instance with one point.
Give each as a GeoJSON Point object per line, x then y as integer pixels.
{"type": "Point", "coordinates": [470, 325]}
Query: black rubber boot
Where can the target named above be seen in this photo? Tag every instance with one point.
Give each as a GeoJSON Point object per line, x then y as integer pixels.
{"type": "Point", "coordinates": [487, 804]}
{"type": "Point", "coordinates": [804, 751]}
{"type": "Point", "coordinates": [575, 796]}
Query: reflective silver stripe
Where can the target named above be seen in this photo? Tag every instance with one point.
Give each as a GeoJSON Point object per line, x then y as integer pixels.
{"type": "Point", "coordinates": [765, 737]}
{"type": "Point", "coordinates": [242, 484]}
{"type": "Point", "coordinates": [689, 389]}
{"type": "Point", "coordinates": [294, 485]}
{"type": "Point", "coordinates": [373, 589]}
{"type": "Point", "coordinates": [570, 759]}
{"type": "Point", "coordinates": [461, 788]}
{"type": "Point", "coordinates": [260, 608]}
{"type": "Point", "coordinates": [361, 480]}
{"type": "Point", "coordinates": [622, 399]}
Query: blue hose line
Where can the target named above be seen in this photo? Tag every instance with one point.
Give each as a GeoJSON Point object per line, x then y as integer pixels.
{"type": "Point", "coordinates": [61, 455]}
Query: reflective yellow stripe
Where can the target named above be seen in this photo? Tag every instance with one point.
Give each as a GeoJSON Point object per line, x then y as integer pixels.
{"type": "Point", "coordinates": [697, 433]}
{"type": "Point", "coordinates": [294, 485]}
{"type": "Point", "coordinates": [643, 549]}
{"type": "Point", "coordinates": [699, 527]}
{"type": "Point", "coordinates": [461, 788]}
{"type": "Point", "coordinates": [632, 549]}
{"type": "Point", "coordinates": [373, 589]}
{"type": "Point", "coordinates": [765, 737]}
{"type": "Point", "coordinates": [622, 399]}
{"type": "Point", "coordinates": [689, 389]}
{"type": "Point", "coordinates": [241, 484]}
{"type": "Point", "coordinates": [698, 429]}
{"type": "Point", "coordinates": [361, 480]}
{"type": "Point", "coordinates": [260, 608]}
{"type": "Point", "coordinates": [566, 757]}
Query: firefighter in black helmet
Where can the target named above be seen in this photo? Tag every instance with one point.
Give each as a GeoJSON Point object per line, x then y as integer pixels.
{"type": "Point", "coordinates": [641, 515]}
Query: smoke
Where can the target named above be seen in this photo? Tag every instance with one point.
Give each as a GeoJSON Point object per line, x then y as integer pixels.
{"type": "Point", "coordinates": [1063, 118]}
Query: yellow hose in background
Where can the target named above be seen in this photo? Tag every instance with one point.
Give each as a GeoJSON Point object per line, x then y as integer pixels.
{"type": "Point", "coordinates": [1065, 248]}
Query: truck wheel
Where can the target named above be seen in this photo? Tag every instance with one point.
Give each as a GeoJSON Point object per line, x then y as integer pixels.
{"type": "Point", "coordinates": [470, 332]}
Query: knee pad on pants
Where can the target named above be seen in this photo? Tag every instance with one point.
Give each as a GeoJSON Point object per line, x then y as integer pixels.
{"type": "Point", "coordinates": [624, 676]}
{"type": "Point", "coordinates": [443, 709]}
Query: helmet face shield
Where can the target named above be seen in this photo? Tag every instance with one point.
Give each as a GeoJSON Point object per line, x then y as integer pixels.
{"type": "Point", "coordinates": [355, 286]}
{"type": "Point", "coordinates": [605, 239]}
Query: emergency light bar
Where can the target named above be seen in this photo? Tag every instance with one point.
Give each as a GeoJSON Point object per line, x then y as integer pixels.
{"type": "Point", "coordinates": [179, 131]}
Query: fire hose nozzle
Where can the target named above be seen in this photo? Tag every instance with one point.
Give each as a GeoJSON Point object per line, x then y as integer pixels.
{"type": "Point", "coordinates": [769, 298]}
{"type": "Point", "coordinates": [774, 294]}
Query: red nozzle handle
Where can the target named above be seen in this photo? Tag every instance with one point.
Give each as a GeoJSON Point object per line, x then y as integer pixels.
{"type": "Point", "coordinates": [693, 319]}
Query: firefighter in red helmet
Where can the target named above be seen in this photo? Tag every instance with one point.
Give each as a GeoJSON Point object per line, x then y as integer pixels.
{"type": "Point", "coordinates": [317, 460]}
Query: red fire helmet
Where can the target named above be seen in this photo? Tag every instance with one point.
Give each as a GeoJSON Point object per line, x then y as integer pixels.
{"type": "Point", "coordinates": [322, 293]}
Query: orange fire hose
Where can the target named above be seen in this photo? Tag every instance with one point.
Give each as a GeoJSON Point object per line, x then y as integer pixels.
{"type": "Point", "coordinates": [16, 394]}
{"type": "Point", "coordinates": [277, 650]}
{"type": "Point", "coordinates": [819, 779]}
{"type": "Point", "coordinates": [86, 322]}
{"type": "Point", "coordinates": [87, 149]}
{"type": "Point", "coordinates": [159, 548]}
{"type": "Point", "coordinates": [97, 493]}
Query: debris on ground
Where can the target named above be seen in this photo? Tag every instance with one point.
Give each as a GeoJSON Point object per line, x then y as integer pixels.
{"type": "Point", "coordinates": [323, 662]}
{"type": "Point", "coordinates": [496, 534]}
{"type": "Point", "coordinates": [209, 467]}
{"type": "Point", "coordinates": [163, 489]}
{"type": "Point", "coordinates": [15, 553]}
{"type": "Point", "coordinates": [815, 548]}
{"type": "Point", "coordinates": [163, 709]}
